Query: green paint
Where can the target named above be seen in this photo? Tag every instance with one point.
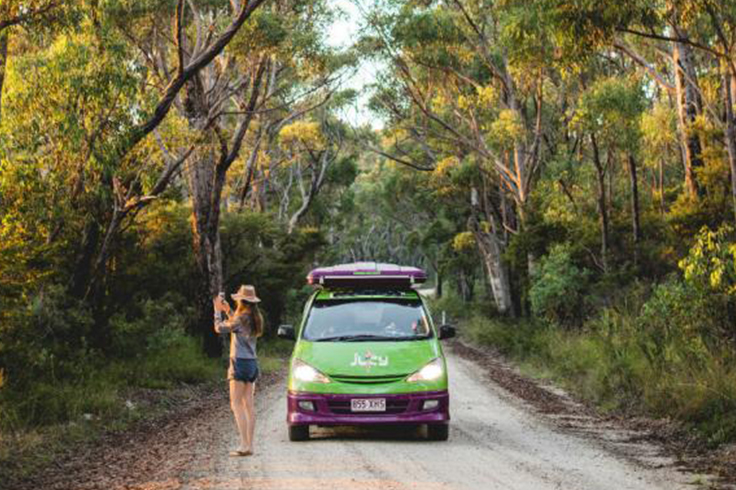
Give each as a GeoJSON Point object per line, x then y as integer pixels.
{"type": "Point", "coordinates": [338, 359]}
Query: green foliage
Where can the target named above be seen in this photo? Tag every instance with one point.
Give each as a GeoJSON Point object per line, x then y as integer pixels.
{"type": "Point", "coordinates": [582, 27]}
{"type": "Point", "coordinates": [668, 353]}
{"type": "Point", "coordinates": [265, 33]}
{"type": "Point", "coordinates": [47, 339]}
{"type": "Point", "coordinates": [612, 107]}
{"type": "Point", "coordinates": [262, 253]}
{"type": "Point", "coordinates": [433, 30]}
{"type": "Point", "coordinates": [711, 263]}
{"type": "Point", "coordinates": [158, 325]}
{"type": "Point", "coordinates": [452, 304]}
{"type": "Point", "coordinates": [515, 339]}
{"type": "Point", "coordinates": [557, 290]}
{"type": "Point", "coordinates": [63, 377]}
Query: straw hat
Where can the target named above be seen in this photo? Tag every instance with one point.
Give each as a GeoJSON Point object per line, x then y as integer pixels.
{"type": "Point", "coordinates": [247, 293]}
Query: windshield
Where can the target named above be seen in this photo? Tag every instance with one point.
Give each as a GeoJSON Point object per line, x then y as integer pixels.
{"type": "Point", "coordinates": [367, 320]}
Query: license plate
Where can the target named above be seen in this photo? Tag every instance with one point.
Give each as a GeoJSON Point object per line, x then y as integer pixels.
{"type": "Point", "coordinates": [368, 405]}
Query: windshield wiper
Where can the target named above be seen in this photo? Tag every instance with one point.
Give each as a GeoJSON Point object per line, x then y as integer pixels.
{"type": "Point", "coordinates": [412, 337]}
{"type": "Point", "coordinates": [355, 338]}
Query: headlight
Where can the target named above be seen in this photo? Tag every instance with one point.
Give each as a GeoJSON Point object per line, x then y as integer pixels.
{"type": "Point", "coordinates": [304, 372]}
{"type": "Point", "coordinates": [430, 372]}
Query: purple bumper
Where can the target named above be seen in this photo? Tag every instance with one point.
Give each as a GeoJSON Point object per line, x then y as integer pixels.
{"type": "Point", "coordinates": [400, 409]}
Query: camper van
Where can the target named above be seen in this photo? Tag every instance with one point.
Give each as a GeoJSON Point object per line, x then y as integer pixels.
{"type": "Point", "coordinates": [367, 353]}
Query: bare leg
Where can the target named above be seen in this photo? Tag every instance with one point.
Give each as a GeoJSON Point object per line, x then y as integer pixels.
{"type": "Point", "coordinates": [250, 411]}
{"type": "Point", "coordinates": [237, 405]}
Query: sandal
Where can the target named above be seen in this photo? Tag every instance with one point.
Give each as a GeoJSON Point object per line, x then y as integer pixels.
{"type": "Point", "coordinates": [241, 453]}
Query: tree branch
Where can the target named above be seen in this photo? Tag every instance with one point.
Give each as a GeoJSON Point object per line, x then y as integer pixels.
{"type": "Point", "coordinates": [177, 83]}
{"type": "Point", "coordinates": [639, 60]}
{"type": "Point", "coordinates": [27, 16]}
{"type": "Point", "coordinates": [401, 160]}
{"type": "Point", "coordinates": [683, 40]}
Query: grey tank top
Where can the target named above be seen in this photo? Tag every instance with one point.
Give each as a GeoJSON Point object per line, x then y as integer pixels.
{"type": "Point", "coordinates": [242, 336]}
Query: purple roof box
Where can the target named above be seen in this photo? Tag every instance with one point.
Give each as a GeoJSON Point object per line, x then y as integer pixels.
{"type": "Point", "coordinates": [367, 274]}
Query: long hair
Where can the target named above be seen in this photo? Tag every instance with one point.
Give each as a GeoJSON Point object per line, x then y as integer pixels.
{"type": "Point", "coordinates": [245, 308]}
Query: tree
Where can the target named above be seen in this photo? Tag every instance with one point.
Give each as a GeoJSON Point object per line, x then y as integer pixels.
{"type": "Point", "coordinates": [460, 91]}
{"type": "Point", "coordinates": [221, 104]}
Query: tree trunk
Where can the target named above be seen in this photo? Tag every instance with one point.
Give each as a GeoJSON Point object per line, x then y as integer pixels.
{"type": "Point", "coordinates": [490, 248]}
{"type": "Point", "coordinates": [207, 249]}
{"type": "Point", "coordinates": [729, 87]}
{"type": "Point", "coordinates": [497, 270]}
{"type": "Point", "coordinates": [635, 221]}
{"type": "Point", "coordinates": [318, 171]}
{"type": "Point", "coordinates": [660, 170]}
{"type": "Point", "coordinates": [85, 259]}
{"type": "Point", "coordinates": [531, 258]}
{"type": "Point", "coordinates": [469, 287]}
{"type": "Point", "coordinates": [600, 172]}
{"type": "Point", "coordinates": [688, 107]}
{"type": "Point", "coordinates": [3, 64]}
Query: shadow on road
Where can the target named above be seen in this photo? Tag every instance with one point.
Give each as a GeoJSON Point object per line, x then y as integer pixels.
{"type": "Point", "coordinates": [380, 433]}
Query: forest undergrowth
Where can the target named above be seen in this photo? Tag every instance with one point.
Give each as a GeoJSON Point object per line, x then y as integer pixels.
{"type": "Point", "coordinates": [659, 350]}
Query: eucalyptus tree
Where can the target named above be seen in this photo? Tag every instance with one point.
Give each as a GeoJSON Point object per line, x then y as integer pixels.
{"type": "Point", "coordinates": [191, 61]}
{"type": "Point", "coordinates": [274, 71]}
{"type": "Point", "coordinates": [610, 113]}
{"type": "Point", "coordinates": [686, 48]}
{"type": "Point", "coordinates": [463, 91]}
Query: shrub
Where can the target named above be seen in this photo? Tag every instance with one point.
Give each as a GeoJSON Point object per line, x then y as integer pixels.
{"type": "Point", "coordinates": [676, 322]}
{"type": "Point", "coordinates": [662, 358]}
{"type": "Point", "coordinates": [47, 338]}
{"type": "Point", "coordinates": [155, 325]}
{"type": "Point", "coordinates": [557, 288]}
{"type": "Point", "coordinates": [711, 263]}
{"type": "Point", "coordinates": [454, 307]}
{"type": "Point", "coordinates": [710, 268]}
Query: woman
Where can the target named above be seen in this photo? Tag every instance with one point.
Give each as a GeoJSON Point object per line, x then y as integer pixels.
{"type": "Point", "coordinates": [245, 325]}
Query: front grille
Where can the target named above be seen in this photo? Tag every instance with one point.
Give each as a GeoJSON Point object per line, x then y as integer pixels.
{"type": "Point", "coordinates": [342, 407]}
{"type": "Point", "coordinates": [368, 380]}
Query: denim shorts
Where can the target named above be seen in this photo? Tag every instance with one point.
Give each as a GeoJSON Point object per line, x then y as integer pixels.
{"type": "Point", "coordinates": [245, 370]}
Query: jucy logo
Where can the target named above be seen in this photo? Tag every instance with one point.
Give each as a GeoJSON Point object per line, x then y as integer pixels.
{"type": "Point", "coordinates": [368, 360]}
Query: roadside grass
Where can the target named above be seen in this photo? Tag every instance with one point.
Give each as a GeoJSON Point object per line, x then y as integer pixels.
{"type": "Point", "coordinates": [106, 399]}
{"type": "Point", "coordinates": [612, 364]}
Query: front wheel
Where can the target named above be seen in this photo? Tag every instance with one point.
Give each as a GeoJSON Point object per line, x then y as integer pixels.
{"type": "Point", "coordinates": [298, 432]}
{"type": "Point", "coordinates": [438, 432]}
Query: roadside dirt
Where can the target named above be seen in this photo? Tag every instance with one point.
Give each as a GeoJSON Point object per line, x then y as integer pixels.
{"type": "Point", "coordinates": [149, 451]}
{"type": "Point", "coordinates": [507, 433]}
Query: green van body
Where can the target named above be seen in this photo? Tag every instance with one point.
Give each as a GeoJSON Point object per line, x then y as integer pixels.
{"type": "Point", "coordinates": [368, 370]}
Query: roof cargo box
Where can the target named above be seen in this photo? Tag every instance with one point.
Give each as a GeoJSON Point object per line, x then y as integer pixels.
{"type": "Point", "coordinates": [366, 274]}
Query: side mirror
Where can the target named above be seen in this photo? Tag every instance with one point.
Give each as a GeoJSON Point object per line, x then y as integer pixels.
{"type": "Point", "coordinates": [447, 332]}
{"type": "Point", "coordinates": [286, 332]}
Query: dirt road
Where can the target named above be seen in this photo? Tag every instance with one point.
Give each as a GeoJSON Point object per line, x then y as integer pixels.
{"type": "Point", "coordinates": [496, 442]}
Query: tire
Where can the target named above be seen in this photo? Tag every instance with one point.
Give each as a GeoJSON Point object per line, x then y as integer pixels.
{"type": "Point", "coordinates": [298, 433]}
{"type": "Point", "coordinates": [438, 432]}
